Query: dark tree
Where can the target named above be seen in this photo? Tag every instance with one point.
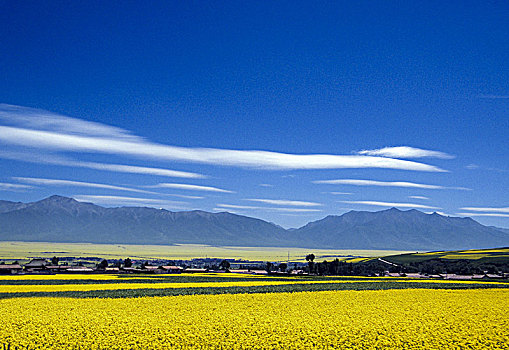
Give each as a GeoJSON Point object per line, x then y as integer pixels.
{"type": "Point", "coordinates": [310, 258]}
{"type": "Point", "coordinates": [128, 262]}
{"type": "Point", "coordinates": [225, 265]}
{"type": "Point", "coordinates": [54, 260]}
{"type": "Point", "coordinates": [103, 264]}
{"type": "Point", "coordinates": [268, 266]}
{"type": "Point", "coordinates": [283, 267]}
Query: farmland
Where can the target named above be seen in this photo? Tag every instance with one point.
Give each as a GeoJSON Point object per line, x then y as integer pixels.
{"type": "Point", "coordinates": [24, 250]}
{"type": "Point", "coordinates": [212, 311]}
{"type": "Point", "coordinates": [244, 311]}
{"type": "Point", "coordinates": [482, 255]}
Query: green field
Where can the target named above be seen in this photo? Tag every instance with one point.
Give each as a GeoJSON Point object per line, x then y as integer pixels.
{"type": "Point", "coordinates": [480, 255]}
{"type": "Point", "coordinates": [22, 251]}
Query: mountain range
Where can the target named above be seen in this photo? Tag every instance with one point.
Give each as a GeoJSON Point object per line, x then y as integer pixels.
{"type": "Point", "coordinates": [62, 219]}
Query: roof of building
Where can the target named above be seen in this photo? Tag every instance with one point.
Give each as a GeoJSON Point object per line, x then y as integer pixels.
{"type": "Point", "coordinates": [36, 263]}
{"type": "Point", "coordinates": [80, 269]}
{"type": "Point", "coordinates": [195, 270]}
{"type": "Point", "coordinates": [10, 267]}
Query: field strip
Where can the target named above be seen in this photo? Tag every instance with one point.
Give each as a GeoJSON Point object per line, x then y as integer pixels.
{"type": "Point", "coordinates": [127, 277]}
{"type": "Point", "coordinates": [119, 286]}
{"type": "Point", "coordinates": [164, 285]}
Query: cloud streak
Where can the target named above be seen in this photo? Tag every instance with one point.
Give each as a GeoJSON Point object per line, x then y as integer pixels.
{"type": "Point", "coordinates": [406, 152]}
{"type": "Point", "coordinates": [390, 204]}
{"type": "Point", "coordinates": [60, 133]}
{"type": "Point", "coordinates": [285, 202]}
{"type": "Point", "coordinates": [13, 187]}
{"type": "Point", "coordinates": [119, 168]}
{"type": "Point", "coordinates": [129, 201]}
{"type": "Point", "coordinates": [498, 215]}
{"type": "Point", "coordinates": [191, 187]}
{"type": "Point", "coordinates": [419, 197]}
{"type": "Point", "coordinates": [491, 209]}
{"type": "Point", "coordinates": [356, 182]}
{"type": "Point", "coordinates": [57, 182]}
{"type": "Point", "coordinates": [248, 207]}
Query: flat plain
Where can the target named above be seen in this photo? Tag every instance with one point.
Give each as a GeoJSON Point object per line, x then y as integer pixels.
{"type": "Point", "coordinates": [25, 250]}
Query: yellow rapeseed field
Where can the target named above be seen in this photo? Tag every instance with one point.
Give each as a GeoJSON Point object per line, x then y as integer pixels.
{"type": "Point", "coordinates": [119, 283]}
{"type": "Point", "coordinates": [83, 276]}
{"type": "Point", "coordinates": [402, 319]}
{"type": "Point", "coordinates": [149, 285]}
{"type": "Point", "coordinates": [99, 277]}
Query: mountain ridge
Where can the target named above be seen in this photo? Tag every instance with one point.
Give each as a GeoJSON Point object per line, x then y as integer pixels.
{"type": "Point", "coordinates": [63, 219]}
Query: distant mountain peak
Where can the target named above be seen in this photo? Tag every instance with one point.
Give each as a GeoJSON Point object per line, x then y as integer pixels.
{"type": "Point", "coordinates": [63, 219]}
{"type": "Point", "coordinates": [58, 199]}
{"type": "Point", "coordinates": [394, 209]}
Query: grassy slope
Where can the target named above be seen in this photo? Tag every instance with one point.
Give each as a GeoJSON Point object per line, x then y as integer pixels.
{"type": "Point", "coordinates": [481, 255]}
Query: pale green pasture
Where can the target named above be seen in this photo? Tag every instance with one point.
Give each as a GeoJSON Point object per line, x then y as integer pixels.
{"type": "Point", "coordinates": [24, 250]}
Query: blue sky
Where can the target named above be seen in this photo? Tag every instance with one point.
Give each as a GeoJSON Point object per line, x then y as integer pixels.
{"type": "Point", "coordinates": [285, 111]}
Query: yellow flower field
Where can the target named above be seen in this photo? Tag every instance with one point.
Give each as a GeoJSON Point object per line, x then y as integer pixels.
{"type": "Point", "coordinates": [125, 285]}
{"type": "Point", "coordinates": [119, 282]}
{"type": "Point", "coordinates": [470, 256]}
{"type": "Point", "coordinates": [118, 286]}
{"type": "Point", "coordinates": [104, 277]}
{"type": "Point", "coordinates": [402, 319]}
{"type": "Point", "coordinates": [98, 277]}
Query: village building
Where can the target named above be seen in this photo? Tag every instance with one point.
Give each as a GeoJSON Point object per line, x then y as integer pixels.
{"type": "Point", "coordinates": [172, 269]}
{"type": "Point", "coordinates": [79, 269]}
{"type": "Point", "coordinates": [36, 266]}
{"type": "Point", "coordinates": [193, 270]}
{"type": "Point", "coordinates": [57, 268]}
{"type": "Point", "coordinates": [10, 269]}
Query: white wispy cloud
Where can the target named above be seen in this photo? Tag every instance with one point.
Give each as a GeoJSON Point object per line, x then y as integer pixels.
{"type": "Point", "coordinates": [406, 152]}
{"type": "Point", "coordinates": [390, 204]}
{"type": "Point", "coordinates": [490, 209]}
{"type": "Point", "coordinates": [130, 201]}
{"type": "Point", "coordinates": [356, 182]}
{"type": "Point", "coordinates": [119, 168]}
{"type": "Point", "coordinates": [266, 185]}
{"type": "Point", "coordinates": [341, 193]}
{"type": "Point", "coordinates": [38, 119]}
{"type": "Point", "coordinates": [419, 197]}
{"type": "Point", "coordinates": [182, 196]}
{"type": "Point", "coordinates": [13, 187]}
{"type": "Point", "coordinates": [191, 187]}
{"type": "Point", "coordinates": [60, 133]}
{"type": "Point", "coordinates": [133, 169]}
{"type": "Point", "coordinates": [498, 215]}
{"type": "Point", "coordinates": [58, 182]}
{"type": "Point", "coordinates": [285, 202]}
{"type": "Point", "coordinates": [248, 207]}
{"type": "Point", "coordinates": [233, 206]}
